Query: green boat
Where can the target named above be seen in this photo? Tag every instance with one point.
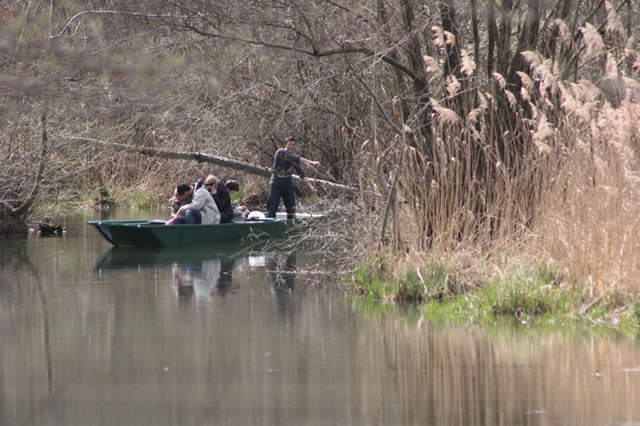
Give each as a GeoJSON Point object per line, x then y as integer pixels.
{"type": "Point", "coordinates": [154, 233]}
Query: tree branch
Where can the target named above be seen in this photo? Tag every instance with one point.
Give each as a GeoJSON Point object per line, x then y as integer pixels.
{"type": "Point", "coordinates": [207, 158]}
{"type": "Point", "coordinates": [113, 12]}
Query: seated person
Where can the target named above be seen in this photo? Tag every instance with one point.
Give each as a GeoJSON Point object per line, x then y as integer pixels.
{"type": "Point", "coordinates": [221, 197]}
{"type": "Point", "coordinates": [239, 212]}
{"type": "Point", "coordinates": [202, 209]}
{"type": "Point", "coordinates": [181, 195]}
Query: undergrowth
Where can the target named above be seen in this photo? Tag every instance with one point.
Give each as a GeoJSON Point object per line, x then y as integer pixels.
{"type": "Point", "coordinates": [522, 295]}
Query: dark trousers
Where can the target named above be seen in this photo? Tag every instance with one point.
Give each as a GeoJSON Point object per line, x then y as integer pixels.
{"type": "Point", "coordinates": [287, 194]}
{"type": "Point", "coordinates": [190, 217]}
{"type": "Point", "coordinates": [225, 218]}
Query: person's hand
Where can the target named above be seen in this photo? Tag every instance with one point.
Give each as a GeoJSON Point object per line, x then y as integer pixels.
{"type": "Point", "coordinates": [315, 163]}
{"type": "Point", "coordinates": [312, 188]}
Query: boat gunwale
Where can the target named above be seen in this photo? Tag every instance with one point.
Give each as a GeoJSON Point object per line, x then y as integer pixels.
{"type": "Point", "coordinates": [153, 233]}
{"type": "Point", "coordinates": [147, 223]}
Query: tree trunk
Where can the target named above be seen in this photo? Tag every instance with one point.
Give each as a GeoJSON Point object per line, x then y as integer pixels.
{"type": "Point", "coordinates": [504, 41]}
{"type": "Point", "coordinates": [421, 90]}
{"type": "Point", "coordinates": [492, 30]}
{"type": "Point", "coordinates": [220, 161]}
{"type": "Point", "coordinates": [448, 16]}
{"type": "Point", "coordinates": [476, 32]}
{"type": "Point", "coordinates": [22, 209]}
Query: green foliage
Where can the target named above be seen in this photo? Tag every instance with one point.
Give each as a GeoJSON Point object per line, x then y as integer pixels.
{"type": "Point", "coordinates": [369, 280]}
{"type": "Point", "coordinates": [238, 196]}
{"type": "Point", "coordinates": [526, 293]}
{"type": "Point", "coordinates": [371, 307]}
{"type": "Point", "coordinates": [452, 310]}
{"type": "Point", "coordinates": [522, 296]}
{"type": "Point", "coordinates": [629, 320]}
{"type": "Point", "coordinates": [430, 281]}
{"type": "Point", "coordinates": [139, 199]}
{"type": "Point", "coordinates": [409, 287]}
{"type": "Point", "coordinates": [436, 276]}
{"type": "Point", "coordinates": [67, 201]}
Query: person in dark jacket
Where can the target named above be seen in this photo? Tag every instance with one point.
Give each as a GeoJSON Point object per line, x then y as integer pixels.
{"type": "Point", "coordinates": [239, 212]}
{"type": "Point", "coordinates": [182, 195]}
{"type": "Point", "coordinates": [285, 163]}
{"type": "Point", "coordinates": [221, 196]}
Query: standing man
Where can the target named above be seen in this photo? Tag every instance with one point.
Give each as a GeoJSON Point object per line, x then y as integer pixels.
{"type": "Point", "coordinates": [285, 162]}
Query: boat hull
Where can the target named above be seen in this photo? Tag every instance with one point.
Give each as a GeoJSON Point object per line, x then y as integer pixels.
{"type": "Point", "coordinates": [144, 233]}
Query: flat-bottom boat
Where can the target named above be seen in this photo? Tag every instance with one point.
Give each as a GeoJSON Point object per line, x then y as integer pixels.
{"type": "Point", "coordinates": [154, 233]}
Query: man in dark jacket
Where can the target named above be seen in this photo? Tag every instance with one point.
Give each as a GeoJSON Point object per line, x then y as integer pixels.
{"type": "Point", "coordinates": [285, 163]}
{"type": "Point", "coordinates": [221, 196]}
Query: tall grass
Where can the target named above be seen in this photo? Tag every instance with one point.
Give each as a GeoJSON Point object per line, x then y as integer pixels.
{"type": "Point", "coordinates": [550, 174]}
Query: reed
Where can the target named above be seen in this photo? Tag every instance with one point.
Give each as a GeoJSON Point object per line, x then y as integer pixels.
{"type": "Point", "coordinates": [549, 176]}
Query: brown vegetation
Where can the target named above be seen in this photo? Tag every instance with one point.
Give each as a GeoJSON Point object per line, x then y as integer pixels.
{"type": "Point", "coordinates": [504, 125]}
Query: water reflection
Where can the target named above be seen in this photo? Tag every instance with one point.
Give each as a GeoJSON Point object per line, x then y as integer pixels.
{"type": "Point", "coordinates": [126, 258]}
{"type": "Point", "coordinates": [203, 279]}
{"type": "Point", "coordinates": [30, 279]}
{"type": "Point", "coordinates": [282, 279]}
{"type": "Point", "coordinates": [96, 336]}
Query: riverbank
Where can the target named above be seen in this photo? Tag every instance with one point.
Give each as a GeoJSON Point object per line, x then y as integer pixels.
{"type": "Point", "coordinates": [514, 292]}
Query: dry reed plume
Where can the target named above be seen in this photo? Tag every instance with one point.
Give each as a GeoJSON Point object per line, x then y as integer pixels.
{"type": "Point", "coordinates": [549, 174]}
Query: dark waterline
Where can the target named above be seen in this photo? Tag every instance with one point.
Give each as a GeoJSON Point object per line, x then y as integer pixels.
{"type": "Point", "coordinates": [91, 335]}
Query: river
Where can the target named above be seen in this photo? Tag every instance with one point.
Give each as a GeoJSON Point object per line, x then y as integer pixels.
{"type": "Point", "coordinates": [91, 335]}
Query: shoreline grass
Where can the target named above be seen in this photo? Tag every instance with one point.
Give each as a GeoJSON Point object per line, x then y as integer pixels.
{"type": "Point", "coordinates": [517, 294]}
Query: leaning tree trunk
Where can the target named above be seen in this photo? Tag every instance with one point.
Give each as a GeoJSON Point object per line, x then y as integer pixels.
{"type": "Point", "coordinates": [330, 187]}
{"type": "Point", "coordinates": [13, 218]}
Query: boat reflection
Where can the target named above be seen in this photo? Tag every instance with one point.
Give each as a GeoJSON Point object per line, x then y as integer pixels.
{"type": "Point", "coordinates": [125, 258]}
{"type": "Point", "coordinates": [198, 275]}
{"type": "Point", "coordinates": [200, 280]}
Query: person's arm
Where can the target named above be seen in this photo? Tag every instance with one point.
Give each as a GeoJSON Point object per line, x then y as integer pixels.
{"type": "Point", "coordinates": [309, 162]}
{"type": "Point", "coordinates": [196, 203]}
{"type": "Point", "coordinates": [302, 174]}
{"type": "Point", "coordinates": [309, 184]}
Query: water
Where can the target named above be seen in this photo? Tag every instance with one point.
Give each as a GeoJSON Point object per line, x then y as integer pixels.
{"type": "Point", "coordinates": [93, 336]}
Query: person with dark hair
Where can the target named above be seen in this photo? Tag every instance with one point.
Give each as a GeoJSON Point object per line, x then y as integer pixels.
{"type": "Point", "coordinates": [221, 196]}
{"type": "Point", "coordinates": [285, 163]}
{"type": "Point", "coordinates": [181, 195]}
{"type": "Point", "coordinates": [239, 212]}
{"type": "Point", "coordinates": [232, 185]}
{"type": "Point", "coordinates": [201, 209]}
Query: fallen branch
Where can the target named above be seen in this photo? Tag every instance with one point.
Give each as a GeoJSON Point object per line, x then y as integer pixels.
{"type": "Point", "coordinates": [207, 158]}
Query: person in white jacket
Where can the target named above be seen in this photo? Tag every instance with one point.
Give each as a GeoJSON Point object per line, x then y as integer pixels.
{"type": "Point", "coordinates": [202, 209]}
